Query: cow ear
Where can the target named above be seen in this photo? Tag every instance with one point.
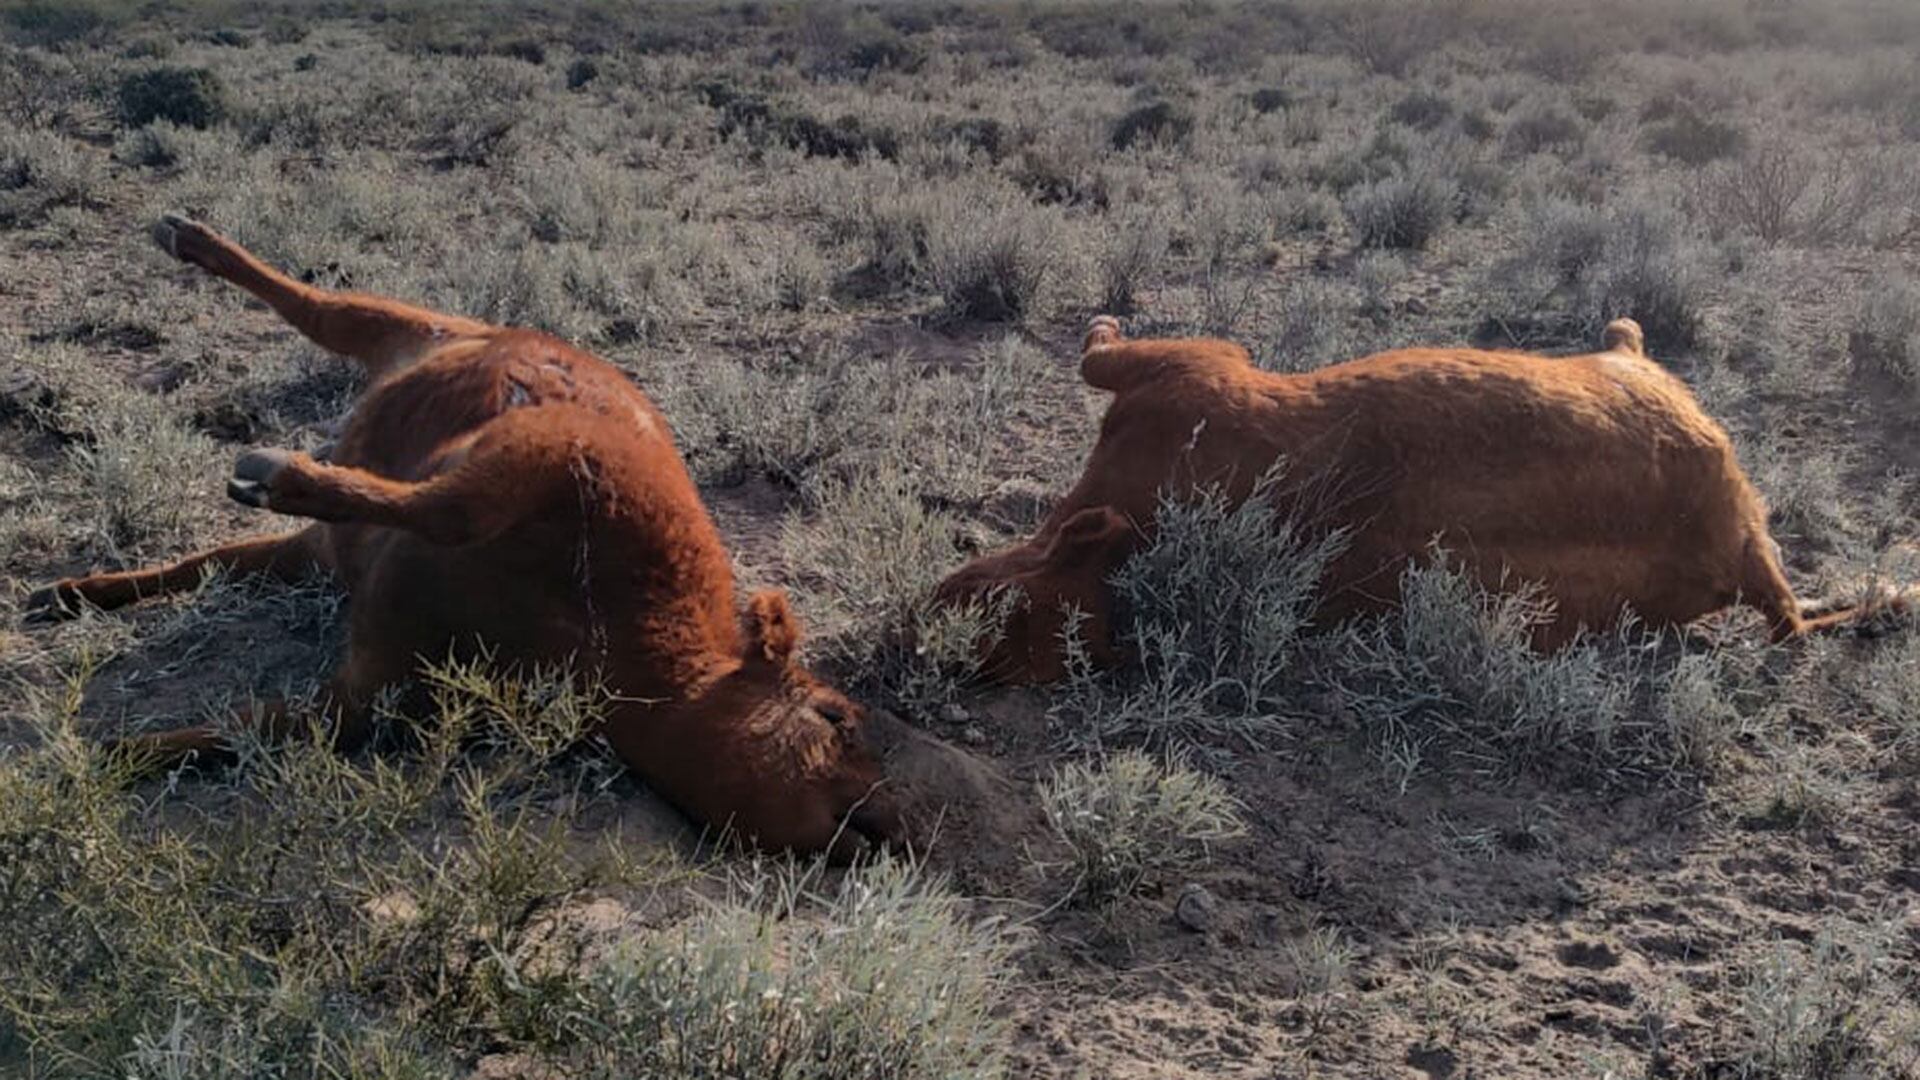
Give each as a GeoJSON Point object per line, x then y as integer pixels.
{"type": "Point", "coordinates": [1094, 533]}
{"type": "Point", "coordinates": [773, 630]}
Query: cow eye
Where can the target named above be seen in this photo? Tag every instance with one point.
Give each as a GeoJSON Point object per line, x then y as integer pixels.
{"type": "Point", "coordinates": [833, 714]}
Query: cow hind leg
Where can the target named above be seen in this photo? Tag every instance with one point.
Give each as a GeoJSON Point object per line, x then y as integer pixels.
{"type": "Point", "coordinates": [286, 557]}
{"type": "Point", "coordinates": [382, 334]}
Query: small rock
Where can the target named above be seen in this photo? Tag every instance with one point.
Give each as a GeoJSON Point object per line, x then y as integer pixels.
{"type": "Point", "coordinates": [1196, 909]}
{"type": "Point", "coordinates": [394, 907]}
{"type": "Point", "coordinates": [954, 713]}
{"type": "Point", "coordinates": [973, 735]}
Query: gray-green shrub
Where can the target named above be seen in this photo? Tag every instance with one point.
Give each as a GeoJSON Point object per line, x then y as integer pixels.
{"type": "Point", "coordinates": [1405, 210]}
{"type": "Point", "coordinates": [1214, 609]}
{"type": "Point", "coordinates": [1886, 330]}
{"type": "Point", "coordinates": [1450, 677]}
{"type": "Point", "coordinates": [1128, 819]}
{"type": "Point", "coordinates": [882, 978]}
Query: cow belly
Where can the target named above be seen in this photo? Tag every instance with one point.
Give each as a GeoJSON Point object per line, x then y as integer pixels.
{"type": "Point", "coordinates": [415, 598]}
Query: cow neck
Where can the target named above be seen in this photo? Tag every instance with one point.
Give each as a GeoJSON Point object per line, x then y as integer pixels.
{"type": "Point", "coordinates": [682, 647]}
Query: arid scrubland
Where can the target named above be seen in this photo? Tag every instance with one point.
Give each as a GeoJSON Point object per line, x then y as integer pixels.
{"type": "Point", "coordinates": [849, 249]}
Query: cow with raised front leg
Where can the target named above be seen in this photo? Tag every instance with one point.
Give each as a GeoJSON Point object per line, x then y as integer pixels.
{"type": "Point", "coordinates": [1597, 476]}
{"type": "Point", "coordinates": [499, 490]}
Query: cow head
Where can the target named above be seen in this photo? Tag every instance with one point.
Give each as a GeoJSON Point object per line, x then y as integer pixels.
{"type": "Point", "coordinates": [793, 768]}
{"type": "Point", "coordinates": [1062, 569]}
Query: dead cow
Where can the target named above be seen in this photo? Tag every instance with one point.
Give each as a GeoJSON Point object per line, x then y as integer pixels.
{"type": "Point", "coordinates": [1597, 476]}
{"type": "Point", "coordinates": [498, 488]}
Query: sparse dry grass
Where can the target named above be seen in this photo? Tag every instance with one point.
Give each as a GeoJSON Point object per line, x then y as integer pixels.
{"type": "Point", "coordinates": [849, 252]}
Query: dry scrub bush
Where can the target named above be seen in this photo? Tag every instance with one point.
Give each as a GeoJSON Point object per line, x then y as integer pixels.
{"type": "Point", "coordinates": [1886, 330]}
{"type": "Point", "coordinates": [1888, 684]}
{"type": "Point", "coordinates": [1835, 1008]}
{"type": "Point", "coordinates": [189, 97]}
{"type": "Point", "coordinates": [1312, 328]}
{"type": "Point", "coordinates": [1405, 210]}
{"type": "Point", "coordinates": [1578, 267]}
{"type": "Point", "coordinates": [992, 255]}
{"type": "Point", "coordinates": [132, 463]}
{"type": "Point", "coordinates": [1781, 193]}
{"type": "Point", "coordinates": [796, 419]}
{"type": "Point", "coordinates": [1692, 139]}
{"type": "Point", "coordinates": [881, 978]}
{"type": "Point", "coordinates": [40, 170]}
{"type": "Point", "coordinates": [1132, 251]}
{"type": "Point", "coordinates": [1804, 486]}
{"type": "Point", "coordinates": [1214, 609]}
{"type": "Point", "coordinates": [1129, 820]}
{"type": "Point", "coordinates": [866, 561]}
{"type": "Point", "coordinates": [877, 461]}
{"type": "Point", "coordinates": [1451, 678]}
{"type": "Point", "coordinates": [250, 942]}
{"type": "Point", "coordinates": [1544, 125]}
{"type": "Point", "coordinates": [390, 918]}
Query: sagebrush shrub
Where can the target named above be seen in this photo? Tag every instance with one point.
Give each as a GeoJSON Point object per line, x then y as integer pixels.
{"type": "Point", "coordinates": [237, 944]}
{"type": "Point", "coordinates": [1451, 677]}
{"type": "Point", "coordinates": [1312, 328]}
{"type": "Point", "coordinates": [1128, 819]}
{"type": "Point", "coordinates": [1133, 248]}
{"type": "Point", "coordinates": [40, 170]}
{"type": "Point", "coordinates": [1654, 271]}
{"type": "Point", "coordinates": [1159, 121]}
{"type": "Point", "coordinates": [1833, 1008]}
{"type": "Point", "coordinates": [1578, 267]}
{"type": "Point", "coordinates": [137, 474]}
{"type": "Point", "coordinates": [1886, 330]}
{"type": "Point", "coordinates": [992, 255]}
{"type": "Point", "coordinates": [1422, 110]}
{"type": "Point", "coordinates": [1544, 126]}
{"type": "Point", "coordinates": [1694, 139]}
{"type": "Point", "coordinates": [1406, 210]}
{"type": "Point", "coordinates": [1214, 609]}
{"type": "Point", "coordinates": [188, 97]}
{"type": "Point", "coordinates": [1780, 193]}
{"type": "Point", "coordinates": [1888, 684]}
{"type": "Point", "coordinates": [882, 978]}
{"type": "Point", "coordinates": [866, 560]}
{"type": "Point", "coordinates": [797, 419]}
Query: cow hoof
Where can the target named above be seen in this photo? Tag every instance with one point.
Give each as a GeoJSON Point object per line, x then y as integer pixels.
{"type": "Point", "coordinates": [50, 604]}
{"type": "Point", "coordinates": [1102, 330]}
{"type": "Point", "coordinates": [175, 235]}
{"type": "Point", "coordinates": [253, 473]}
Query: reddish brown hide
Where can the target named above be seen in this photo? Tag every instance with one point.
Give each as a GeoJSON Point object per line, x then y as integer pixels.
{"type": "Point", "coordinates": [498, 488]}
{"type": "Point", "coordinates": [1597, 476]}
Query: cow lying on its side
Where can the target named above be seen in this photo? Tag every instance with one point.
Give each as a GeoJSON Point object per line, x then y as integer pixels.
{"type": "Point", "coordinates": [1597, 476]}
{"type": "Point", "coordinates": [500, 489]}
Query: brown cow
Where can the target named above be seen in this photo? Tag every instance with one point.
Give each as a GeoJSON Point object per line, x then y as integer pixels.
{"type": "Point", "coordinates": [1598, 476]}
{"type": "Point", "coordinates": [498, 488]}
